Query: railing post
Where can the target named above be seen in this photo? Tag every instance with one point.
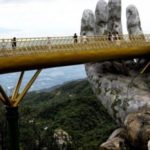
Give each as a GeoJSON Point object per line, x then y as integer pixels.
{"type": "Point", "coordinates": [12, 116]}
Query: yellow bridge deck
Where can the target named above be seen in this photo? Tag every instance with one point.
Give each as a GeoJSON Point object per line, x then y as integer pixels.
{"type": "Point", "coordinates": [38, 53]}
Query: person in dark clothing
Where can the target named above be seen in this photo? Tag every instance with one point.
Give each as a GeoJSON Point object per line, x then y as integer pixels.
{"type": "Point", "coordinates": [116, 35]}
{"type": "Point", "coordinates": [75, 38]}
{"type": "Point", "coordinates": [14, 43]}
{"type": "Point", "coordinates": [110, 36]}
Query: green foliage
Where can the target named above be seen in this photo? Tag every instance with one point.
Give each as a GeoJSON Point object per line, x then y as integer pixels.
{"type": "Point", "coordinates": [72, 107]}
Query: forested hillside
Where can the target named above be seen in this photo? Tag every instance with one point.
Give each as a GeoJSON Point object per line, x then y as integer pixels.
{"type": "Point", "coordinates": [71, 107]}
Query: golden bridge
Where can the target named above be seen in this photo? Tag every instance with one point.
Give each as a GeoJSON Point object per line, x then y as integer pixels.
{"type": "Point", "coordinates": [37, 53]}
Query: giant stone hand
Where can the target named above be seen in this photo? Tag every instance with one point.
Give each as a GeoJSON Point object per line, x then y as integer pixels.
{"type": "Point", "coordinates": [117, 84]}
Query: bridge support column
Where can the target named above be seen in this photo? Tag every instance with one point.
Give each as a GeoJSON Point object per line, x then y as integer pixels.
{"type": "Point", "coordinates": [12, 117]}
{"type": "Point", "coordinates": [12, 114]}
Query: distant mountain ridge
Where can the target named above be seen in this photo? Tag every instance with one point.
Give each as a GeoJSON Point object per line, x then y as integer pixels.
{"type": "Point", "coordinates": [47, 78]}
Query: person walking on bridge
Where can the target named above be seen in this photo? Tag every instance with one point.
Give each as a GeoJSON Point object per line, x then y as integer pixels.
{"type": "Point", "coordinates": [14, 43]}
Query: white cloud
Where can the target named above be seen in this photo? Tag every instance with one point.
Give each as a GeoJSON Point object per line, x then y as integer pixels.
{"type": "Point", "coordinates": [54, 17]}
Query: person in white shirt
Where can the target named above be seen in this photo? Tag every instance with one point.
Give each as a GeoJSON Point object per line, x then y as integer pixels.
{"type": "Point", "coordinates": [84, 38]}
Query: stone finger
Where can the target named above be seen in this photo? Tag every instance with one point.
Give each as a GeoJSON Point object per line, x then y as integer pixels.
{"type": "Point", "coordinates": [101, 17]}
{"type": "Point", "coordinates": [114, 17]}
{"type": "Point", "coordinates": [87, 23]}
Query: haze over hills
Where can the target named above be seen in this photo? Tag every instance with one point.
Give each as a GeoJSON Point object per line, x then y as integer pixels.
{"type": "Point", "coordinates": [47, 78]}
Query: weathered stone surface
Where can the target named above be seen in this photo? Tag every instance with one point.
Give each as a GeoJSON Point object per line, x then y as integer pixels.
{"type": "Point", "coordinates": [101, 17]}
{"type": "Point", "coordinates": [118, 84]}
{"type": "Point", "coordinates": [148, 145]}
{"type": "Point", "coordinates": [113, 144]}
{"type": "Point", "coordinates": [120, 94]}
{"type": "Point", "coordinates": [88, 23]}
{"type": "Point", "coordinates": [62, 139]}
{"type": "Point", "coordinates": [120, 133]}
{"type": "Point", "coordinates": [114, 17]}
{"type": "Point", "coordinates": [133, 21]}
{"type": "Point", "coordinates": [138, 129]}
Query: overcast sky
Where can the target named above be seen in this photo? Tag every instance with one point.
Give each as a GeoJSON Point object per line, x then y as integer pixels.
{"type": "Point", "coordinates": [30, 18]}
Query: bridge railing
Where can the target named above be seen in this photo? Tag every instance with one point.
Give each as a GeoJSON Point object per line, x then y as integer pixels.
{"type": "Point", "coordinates": [55, 44]}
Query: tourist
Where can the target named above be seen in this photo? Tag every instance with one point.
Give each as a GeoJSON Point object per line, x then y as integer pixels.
{"type": "Point", "coordinates": [117, 39]}
{"type": "Point", "coordinates": [113, 37]}
{"type": "Point", "coordinates": [75, 38]}
{"type": "Point", "coordinates": [84, 38]}
{"type": "Point", "coordinates": [109, 36]}
{"type": "Point", "coordinates": [14, 43]}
